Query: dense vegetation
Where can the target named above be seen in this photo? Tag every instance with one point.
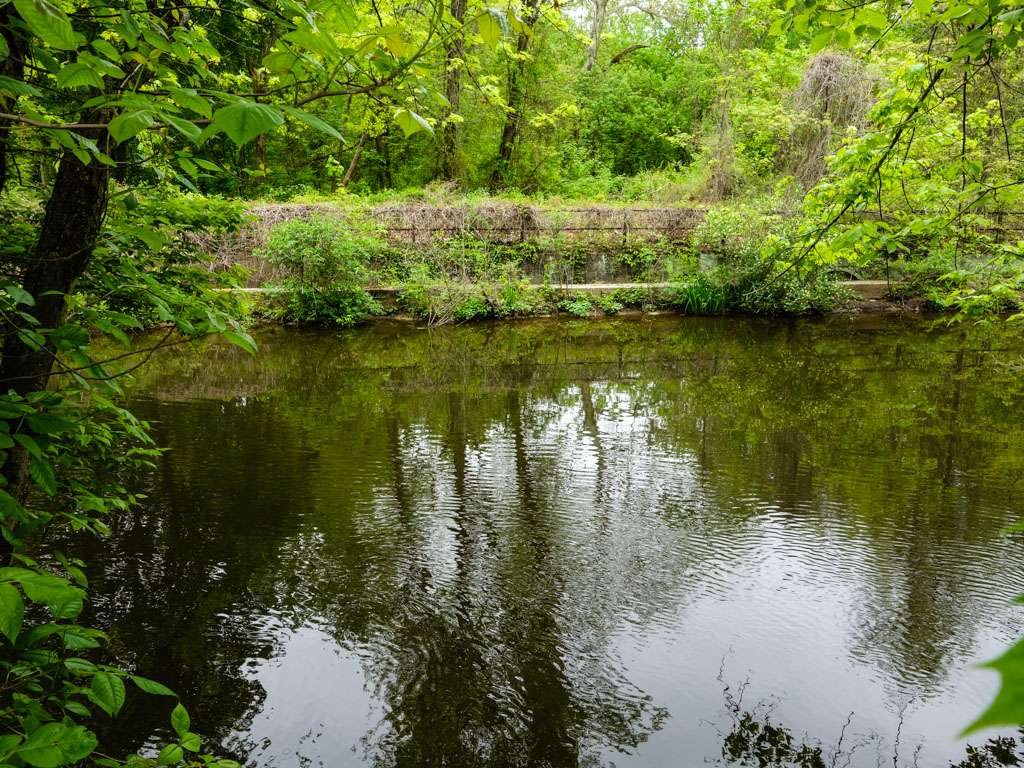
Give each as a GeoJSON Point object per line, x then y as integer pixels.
{"type": "Point", "coordinates": [887, 133]}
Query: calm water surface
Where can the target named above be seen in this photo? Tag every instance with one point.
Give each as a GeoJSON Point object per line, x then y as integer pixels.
{"type": "Point", "coordinates": [556, 543]}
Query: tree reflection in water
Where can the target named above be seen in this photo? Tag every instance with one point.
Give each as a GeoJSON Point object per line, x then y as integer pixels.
{"type": "Point", "coordinates": [529, 545]}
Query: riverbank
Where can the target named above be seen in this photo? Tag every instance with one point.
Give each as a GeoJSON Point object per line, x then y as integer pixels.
{"type": "Point", "coordinates": [450, 263]}
{"type": "Point", "coordinates": [465, 302]}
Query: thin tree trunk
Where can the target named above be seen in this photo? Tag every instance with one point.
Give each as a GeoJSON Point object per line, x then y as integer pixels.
{"type": "Point", "coordinates": [596, 27]}
{"type": "Point", "coordinates": [451, 131]}
{"type": "Point", "coordinates": [350, 171]}
{"type": "Point", "coordinates": [11, 66]}
{"type": "Point", "coordinates": [516, 97]}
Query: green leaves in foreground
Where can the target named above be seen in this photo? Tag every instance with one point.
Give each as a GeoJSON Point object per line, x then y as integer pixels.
{"type": "Point", "coordinates": [107, 692]}
{"type": "Point", "coordinates": [49, 23]}
{"type": "Point", "coordinates": [1008, 706]}
{"type": "Point", "coordinates": [244, 120]}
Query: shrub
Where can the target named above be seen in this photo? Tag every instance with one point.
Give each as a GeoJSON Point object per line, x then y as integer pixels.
{"type": "Point", "coordinates": [326, 263]}
{"type": "Point", "coordinates": [578, 306]}
{"type": "Point", "coordinates": [609, 304]}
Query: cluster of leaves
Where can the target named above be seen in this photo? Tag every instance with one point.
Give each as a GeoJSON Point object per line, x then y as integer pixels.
{"type": "Point", "coordinates": [52, 691]}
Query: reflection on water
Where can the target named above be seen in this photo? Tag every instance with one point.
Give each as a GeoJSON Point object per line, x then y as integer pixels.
{"type": "Point", "coordinates": [537, 544]}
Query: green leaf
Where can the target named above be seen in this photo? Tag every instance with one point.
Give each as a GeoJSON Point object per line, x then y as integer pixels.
{"type": "Point", "coordinates": [16, 87]}
{"type": "Point", "coordinates": [29, 444]}
{"type": "Point", "coordinates": [42, 747]}
{"type": "Point", "coordinates": [180, 721]}
{"type": "Point", "coordinates": [315, 122]}
{"type": "Point", "coordinates": [32, 339]}
{"type": "Point", "coordinates": [80, 666]}
{"type": "Point", "coordinates": [79, 638]}
{"type": "Point", "coordinates": [8, 743]}
{"type": "Point", "coordinates": [12, 611]}
{"type": "Point", "coordinates": [49, 23]}
{"type": "Point", "coordinates": [191, 741]}
{"type": "Point", "coordinates": [820, 40]}
{"type": "Point", "coordinates": [152, 238]}
{"type": "Point", "coordinates": [77, 708]}
{"type": "Point", "coordinates": [48, 423]}
{"type": "Point", "coordinates": [411, 123]}
{"type": "Point", "coordinates": [243, 340]}
{"type": "Point", "coordinates": [64, 600]}
{"type": "Point", "coordinates": [104, 47]}
{"type": "Point", "coordinates": [128, 124]}
{"type": "Point", "coordinates": [186, 98]}
{"type": "Point", "coordinates": [78, 75]}
{"type": "Point", "coordinates": [4, 50]}
{"type": "Point", "coordinates": [1008, 706]}
{"type": "Point", "coordinates": [101, 66]}
{"type": "Point", "coordinates": [244, 120]}
{"type": "Point", "coordinates": [172, 754]}
{"type": "Point", "coordinates": [19, 294]}
{"type": "Point", "coordinates": [41, 472]}
{"type": "Point", "coordinates": [492, 25]}
{"type": "Point", "coordinates": [152, 686]}
{"type": "Point", "coordinates": [189, 130]}
{"type": "Point", "coordinates": [107, 691]}
{"type": "Point", "coordinates": [77, 743]}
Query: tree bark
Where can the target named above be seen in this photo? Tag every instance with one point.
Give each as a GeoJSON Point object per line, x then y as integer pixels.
{"type": "Point", "coordinates": [350, 171]}
{"type": "Point", "coordinates": [451, 132]}
{"type": "Point", "coordinates": [13, 67]}
{"type": "Point", "coordinates": [596, 27]}
{"type": "Point", "coordinates": [71, 225]}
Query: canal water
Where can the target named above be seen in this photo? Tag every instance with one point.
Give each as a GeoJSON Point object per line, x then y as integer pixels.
{"type": "Point", "coordinates": [561, 543]}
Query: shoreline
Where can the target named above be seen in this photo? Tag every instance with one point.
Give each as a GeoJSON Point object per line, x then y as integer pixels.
{"type": "Point", "coordinates": [869, 297]}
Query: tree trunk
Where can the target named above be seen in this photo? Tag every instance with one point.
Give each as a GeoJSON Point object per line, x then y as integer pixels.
{"type": "Point", "coordinates": [596, 27]}
{"type": "Point", "coordinates": [516, 97]}
{"type": "Point", "coordinates": [451, 131]}
{"type": "Point", "coordinates": [350, 171]}
{"type": "Point", "coordinates": [71, 225]}
{"type": "Point", "coordinates": [11, 66]}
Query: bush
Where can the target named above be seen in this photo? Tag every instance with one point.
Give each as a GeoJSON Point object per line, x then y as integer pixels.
{"type": "Point", "coordinates": [577, 306]}
{"type": "Point", "coordinates": [326, 263]}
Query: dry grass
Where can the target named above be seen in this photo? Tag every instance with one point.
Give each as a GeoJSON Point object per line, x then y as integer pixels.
{"type": "Point", "coordinates": [835, 93]}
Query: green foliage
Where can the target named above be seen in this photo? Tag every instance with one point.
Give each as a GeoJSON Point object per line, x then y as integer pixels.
{"type": "Point", "coordinates": [642, 115]}
{"type": "Point", "coordinates": [326, 267]}
{"type": "Point", "coordinates": [78, 447]}
{"type": "Point", "coordinates": [148, 266]}
{"type": "Point", "coordinates": [703, 295]}
{"type": "Point", "coordinates": [1008, 706]}
{"type": "Point", "coordinates": [609, 304]}
{"type": "Point", "coordinates": [576, 305]}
